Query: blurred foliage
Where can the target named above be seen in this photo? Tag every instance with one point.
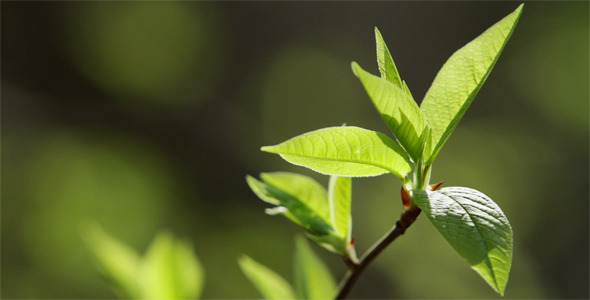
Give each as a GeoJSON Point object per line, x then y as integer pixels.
{"type": "Point", "coordinates": [168, 270]}
{"type": "Point", "coordinates": [148, 115]}
{"type": "Point", "coordinates": [161, 52]}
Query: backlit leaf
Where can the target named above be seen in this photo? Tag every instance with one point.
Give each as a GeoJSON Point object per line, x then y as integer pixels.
{"type": "Point", "coordinates": [116, 261]}
{"type": "Point", "coordinates": [345, 151]}
{"type": "Point", "coordinates": [385, 62]}
{"type": "Point", "coordinates": [339, 196]}
{"type": "Point", "coordinates": [398, 109]}
{"type": "Point", "coordinates": [270, 285]}
{"type": "Point", "coordinates": [304, 200]}
{"type": "Point", "coordinates": [170, 270]}
{"type": "Point", "coordinates": [313, 280]}
{"type": "Point", "coordinates": [460, 78]}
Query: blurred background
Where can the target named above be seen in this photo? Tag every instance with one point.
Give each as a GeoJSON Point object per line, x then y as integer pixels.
{"type": "Point", "coordinates": [148, 115]}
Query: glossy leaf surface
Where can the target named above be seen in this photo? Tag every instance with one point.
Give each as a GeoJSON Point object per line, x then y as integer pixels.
{"type": "Point", "coordinates": [476, 228]}
{"type": "Point", "coordinates": [460, 79]}
{"type": "Point", "coordinates": [345, 151]}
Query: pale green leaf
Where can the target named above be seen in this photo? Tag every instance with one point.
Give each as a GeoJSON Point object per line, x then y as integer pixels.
{"type": "Point", "coordinates": [339, 198]}
{"type": "Point", "coordinates": [398, 109]}
{"type": "Point", "coordinates": [332, 243]}
{"type": "Point", "coordinates": [267, 282]}
{"type": "Point", "coordinates": [475, 227]}
{"type": "Point", "coordinates": [345, 151]}
{"type": "Point", "coordinates": [460, 78]}
{"type": "Point", "coordinates": [385, 62]}
{"type": "Point", "coordinates": [170, 270]}
{"type": "Point", "coordinates": [313, 280]}
{"type": "Point", "coordinates": [116, 261]}
{"type": "Point", "coordinates": [304, 200]}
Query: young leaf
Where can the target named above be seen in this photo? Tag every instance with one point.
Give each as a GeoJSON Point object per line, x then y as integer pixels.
{"type": "Point", "coordinates": [345, 151]}
{"type": "Point", "coordinates": [460, 78]}
{"type": "Point", "coordinates": [475, 227]}
{"type": "Point", "coordinates": [170, 270]}
{"type": "Point", "coordinates": [339, 194]}
{"type": "Point", "coordinates": [398, 109]}
{"type": "Point", "coordinates": [313, 280]}
{"type": "Point", "coordinates": [116, 261]}
{"type": "Point", "coordinates": [269, 284]}
{"type": "Point", "coordinates": [385, 62]}
{"type": "Point", "coordinates": [304, 200]}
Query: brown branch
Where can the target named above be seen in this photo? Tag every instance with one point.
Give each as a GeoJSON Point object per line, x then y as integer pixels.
{"type": "Point", "coordinates": [406, 219]}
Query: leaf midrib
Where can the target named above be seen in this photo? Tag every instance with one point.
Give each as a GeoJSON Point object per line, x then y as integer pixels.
{"type": "Point", "coordinates": [344, 160]}
{"type": "Point", "coordinates": [488, 261]}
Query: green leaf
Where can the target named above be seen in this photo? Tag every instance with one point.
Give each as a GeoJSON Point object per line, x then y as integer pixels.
{"type": "Point", "coordinates": [461, 77]}
{"type": "Point", "coordinates": [385, 62]}
{"type": "Point", "coordinates": [269, 284]}
{"type": "Point", "coordinates": [345, 151]}
{"type": "Point", "coordinates": [339, 195]}
{"type": "Point", "coordinates": [170, 270]}
{"type": "Point", "coordinates": [313, 280]}
{"type": "Point", "coordinates": [475, 227]}
{"type": "Point", "coordinates": [300, 198]}
{"type": "Point", "coordinates": [116, 261]}
{"type": "Point", "coordinates": [398, 109]}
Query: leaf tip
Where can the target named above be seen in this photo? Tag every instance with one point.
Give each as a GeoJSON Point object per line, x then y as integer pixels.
{"type": "Point", "coordinates": [377, 33]}
{"type": "Point", "coordinates": [267, 149]}
{"type": "Point", "coordinates": [355, 67]}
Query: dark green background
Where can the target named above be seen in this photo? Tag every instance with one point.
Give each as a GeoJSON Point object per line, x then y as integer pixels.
{"type": "Point", "coordinates": [148, 115]}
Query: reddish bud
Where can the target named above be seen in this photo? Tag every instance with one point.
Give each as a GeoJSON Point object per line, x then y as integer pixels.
{"type": "Point", "coordinates": [405, 198]}
{"type": "Point", "coordinates": [435, 186]}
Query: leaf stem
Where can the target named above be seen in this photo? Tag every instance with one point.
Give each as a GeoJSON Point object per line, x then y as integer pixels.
{"type": "Point", "coordinates": [406, 219]}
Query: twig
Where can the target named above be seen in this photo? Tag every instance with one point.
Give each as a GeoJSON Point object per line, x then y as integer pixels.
{"type": "Point", "coordinates": [406, 219]}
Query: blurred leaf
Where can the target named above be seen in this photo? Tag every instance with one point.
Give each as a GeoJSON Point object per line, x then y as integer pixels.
{"type": "Point", "coordinates": [116, 261]}
{"type": "Point", "coordinates": [305, 201]}
{"type": "Point", "coordinates": [269, 284]}
{"type": "Point", "coordinates": [313, 280]}
{"type": "Point", "coordinates": [398, 109]}
{"type": "Point", "coordinates": [461, 77]}
{"type": "Point", "coordinates": [170, 270]}
{"type": "Point", "coordinates": [476, 228]}
{"type": "Point", "coordinates": [345, 151]}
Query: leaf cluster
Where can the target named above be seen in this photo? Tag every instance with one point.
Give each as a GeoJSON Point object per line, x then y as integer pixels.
{"type": "Point", "coordinates": [470, 221]}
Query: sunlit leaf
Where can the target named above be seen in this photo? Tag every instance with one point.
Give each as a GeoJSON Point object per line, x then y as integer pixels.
{"type": "Point", "coordinates": [304, 200]}
{"type": "Point", "coordinates": [345, 151]}
{"type": "Point", "coordinates": [313, 280]}
{"type": "Point", "coordinates": [461, 77]}
{"type": "Point", "coordinates": [170, 270]}
{"type": "Point", "coordinates": [269, 284]}
{"type": "Point", "coordinates": [398, 109]}
{"type": "Point", "coordinates": [339, 198]}
{"type": "Point", "coordinates": [476, 228]}
{"type": "Point", "coordinates": [116, 261]}
{"type": "Point", "coordinates": [385, 62]}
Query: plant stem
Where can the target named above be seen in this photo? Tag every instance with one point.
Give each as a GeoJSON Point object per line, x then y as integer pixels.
{"type": "Point", "coordinates": [406, 219]}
